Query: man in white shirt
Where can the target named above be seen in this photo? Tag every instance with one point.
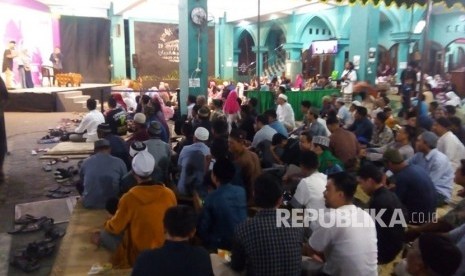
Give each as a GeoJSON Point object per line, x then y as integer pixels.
{"type": "Point", "coordinates": [309, 193]}
{"type": "Point", "coordinates": [350, 246]}
{"type": "Point", "coordinates": [191, 100]}
{"type": "Point", "coordinates": [448, 143]}
{"type": "Point", "coordinates": [87, 129]}
{"type": "Point", "coordinates": [348, 77]}
{"type": "Point", "coordinates": [264, 131]}
{"type": "Point", "coordinates": [285, 112]}
{"type": "Point", "coordinates": [343, 112]}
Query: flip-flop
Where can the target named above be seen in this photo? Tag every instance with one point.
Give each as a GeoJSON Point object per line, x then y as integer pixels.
{"type": "Point", "coordinates": [64, 159]}
{"type": "Point", "coordinates": [54, 233]}
{"type": "Point", "coordinates": [57, 195]}
{"type": "Point", "coordinates": [32, 226]}
{"type": "Point", "coordinates": [25, 264]}
{"type": "Point", "coordinates": [47, 168]}
{"type": "Point", "coordinates": [26, 219]}
{"type": "Point", "coordinates": [59, 190]}
{"type": "Point", "coordinates": [37, 249]}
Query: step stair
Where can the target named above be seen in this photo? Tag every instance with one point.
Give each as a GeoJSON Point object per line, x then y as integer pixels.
{"type": "Point", "coordinates": [72, 101]}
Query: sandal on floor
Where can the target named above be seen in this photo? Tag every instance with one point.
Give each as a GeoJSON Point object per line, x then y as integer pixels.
{"type": "Point", "coordinates": [25, 264]}
{"type": "Point", "coordinates": [47, 168]}
{"type": "Point", "coordinates": [32, 226]}
{"type": "Point", "coordinates": [54, 233]}
{"type": "Point", "coordinates": [37, 250]}
{"type": "Point", "coordinates": [57, 195]}
{"type": "Point", "coordinates": [26, 219]}
{"type": "Point", "coordinates": [64, 159]}
{"type": "Point", "coordinates": [59, 190]}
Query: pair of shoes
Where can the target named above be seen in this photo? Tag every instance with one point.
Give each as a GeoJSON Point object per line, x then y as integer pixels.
{"type": "Point", "coordinates": [32, 225]}
{"type": "Point", "coordinates": [62, 175]}
{"type": "Point", "coordinates": [58, 192]}
{"type": "Point", "coordinates": [25, 264]}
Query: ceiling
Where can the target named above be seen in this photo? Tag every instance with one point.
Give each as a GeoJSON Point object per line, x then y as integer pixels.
{"type": "Point", "coordinates": [167, 10]}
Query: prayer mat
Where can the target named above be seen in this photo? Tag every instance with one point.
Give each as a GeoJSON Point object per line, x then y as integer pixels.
{"type": "Point", "coordinates": [77, 254]}
{"type": "Point", "coordinates": [71, 148]}
{"type": "Point", "coordinates": [58, 209]}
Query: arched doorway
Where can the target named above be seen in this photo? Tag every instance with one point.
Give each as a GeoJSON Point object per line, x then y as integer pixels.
{"type": "Point", "coordinates": [313, 64]}
{"type": "Point", "coordinates": [455, 55]}
{"type": "Point", "coordinates": [274, 42]}
{"type": "Point", "coordinates": [247, 58]}
{"type": "Point", "coordinates": [435, 59]}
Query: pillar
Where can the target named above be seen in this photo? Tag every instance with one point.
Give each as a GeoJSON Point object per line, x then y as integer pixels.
{"type": "Point", "coordinates": [364, 29]}
{"type": "Point", "coordinates": [293, 59]}
{"type": "Point", "coordinates": [403, 50]}
{"type": "Point", "coordinates": [117, 47]}
{"type": "Point", "coordinates": [193, 52]}
{"type": "Point", "coordinates": [234, 66]}
{"type": "Point", "coordinates": [259, 54]}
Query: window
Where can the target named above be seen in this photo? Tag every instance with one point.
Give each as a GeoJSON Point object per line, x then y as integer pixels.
{"type": "Point", "coordinates": [310, 31]}
{"type": "Point", "coordinates": [324, 31]}
{"type": "Point", "coordinates": [329, 32]}
{"type": "Point", "coordinates": [317, 31]}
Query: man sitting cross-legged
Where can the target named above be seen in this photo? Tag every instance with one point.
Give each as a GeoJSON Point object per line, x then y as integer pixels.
{"type": "Point", "coordinates": [223, 209]}
{"type": "Point", "coordinates": [87, 129]}
{"type": "Point", "coordinates": [260, 246]}
{"type": "Point", "coordinates": [176, 257]}
{"type": "Point", "coordinates": [138, 222]}
{"type": "Point", "coordinates": [100, 176]}
{"type": "Point", "coordinates": [346, 237]}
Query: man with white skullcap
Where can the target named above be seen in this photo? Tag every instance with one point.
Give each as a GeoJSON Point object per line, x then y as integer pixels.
{"type": "Point", "coordinates": [285, 112]}
{"type": "Point", "coordinates": [137, 224]}
{"type": "Point", "coordinates": [198, 151]}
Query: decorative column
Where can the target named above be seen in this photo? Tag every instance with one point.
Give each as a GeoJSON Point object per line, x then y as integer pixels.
{"type": "Point", "coordinates": [234, 65]}
{"type": "Point", "coordinates": [403, 39]}
{"type": "Point", "coordinates": [118, 46]}
{"type": "Point", "coordinates": [259, 54]}
{"type": "Point", "coordinates": [363, 40]}
{"type": "Point", "coordinates": [293, 59]}
{"type": "Point", "coordinates": [193, 50]}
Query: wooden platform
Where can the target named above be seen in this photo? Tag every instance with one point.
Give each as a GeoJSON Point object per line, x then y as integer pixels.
{"type": "Point", "coordinates": [45, 99]}
{"type": "Point", "coordinates": [77, 254]}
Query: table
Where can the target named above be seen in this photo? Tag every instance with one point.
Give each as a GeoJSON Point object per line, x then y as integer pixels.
{"type": "Point", "coordinates": [266, 99]}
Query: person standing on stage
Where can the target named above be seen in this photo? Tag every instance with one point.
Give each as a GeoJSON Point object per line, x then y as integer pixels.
{"type": "Point", "coordinates": [348, 77]}
{"type": "Point", "coordinates": [57, 60]}
{"type": "Point", "coordinates": [24, 69]}
{"type": "Point", "coordinates": [7, 66]}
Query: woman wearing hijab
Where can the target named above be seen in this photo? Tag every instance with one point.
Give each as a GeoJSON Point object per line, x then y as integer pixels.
{"type": "Point", "coordinates": [232, 109]}
{"type": "Point", "coordinates": [120, 101]}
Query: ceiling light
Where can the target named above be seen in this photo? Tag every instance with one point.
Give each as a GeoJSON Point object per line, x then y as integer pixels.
{"type": "Point", "coordinates": [243, 23]}
{"type": "Point", "coordinates": [419, 27]}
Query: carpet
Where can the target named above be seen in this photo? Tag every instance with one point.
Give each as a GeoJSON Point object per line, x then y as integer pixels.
{"type": "Point", "coordinates": [58, 209]}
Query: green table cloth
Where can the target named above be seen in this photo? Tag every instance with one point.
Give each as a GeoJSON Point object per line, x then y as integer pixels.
{"type": "Point", "coordinates": [266, 99]}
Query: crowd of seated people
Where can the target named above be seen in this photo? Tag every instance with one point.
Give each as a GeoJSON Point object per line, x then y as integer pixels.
{"type": "Point", "coordinates": [229, 166]}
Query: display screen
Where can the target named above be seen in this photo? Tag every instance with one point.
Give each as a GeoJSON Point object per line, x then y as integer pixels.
{"type": "Point", "coordinates": [324, 47]}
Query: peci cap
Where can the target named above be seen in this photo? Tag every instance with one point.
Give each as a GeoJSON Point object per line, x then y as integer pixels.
{"type": "Point", "coordinates": [340, 100]}
{"type": "Point", "coordinates": [393, 156]}
{"type": "Point", "coordinates": [356, 103]}
{"type": "Point", "coordinates": [155, 129]}
{"type": "Point", "coordinates": [204, 112]}
{"type": "Point", "coordinates": [143, 164]}
{"type": "Point", "coordinates": [321, 140]}
{"type": "Point", "coordinates": [101, 143]}
{"type": "Point", "coordinates": [201, 134]}
{"type": "Point", "coordinates": [137, 147]}
{"type": "Point", "coordinates": [139, 118]}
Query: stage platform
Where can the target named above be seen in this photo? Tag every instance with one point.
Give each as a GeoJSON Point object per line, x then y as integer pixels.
{"type": "Point", "coordinates": [52, 99]}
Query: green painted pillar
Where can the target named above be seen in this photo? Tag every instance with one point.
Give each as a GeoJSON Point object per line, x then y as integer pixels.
{"type": "Point", "coordinates": [234, 66]}
{"type": "Point", "coordinates": [193, 50]}
{"type": "Point", "coordinates": [293, 59]}
{"type": "Point", "coordinates": [364, 29]}
{"type": "Point", "coordinates": [340, 60]}
{"type": "Point", "coordinates": [259, 54]}
{"type": "Point", "coordinates": [117, 47]}
{"type": "Point", "coordinates": [403, 39]}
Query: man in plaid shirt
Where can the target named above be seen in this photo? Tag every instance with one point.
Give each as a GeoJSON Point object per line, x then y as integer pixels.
{"type": "Point", "coordinates": [260, 246]}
